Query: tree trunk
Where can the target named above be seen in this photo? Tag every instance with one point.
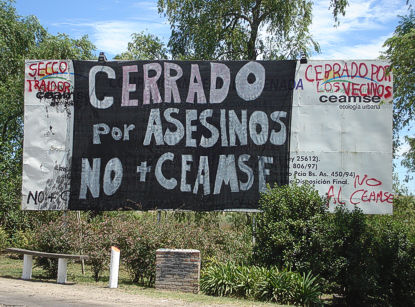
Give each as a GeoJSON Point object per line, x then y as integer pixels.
{"type": "Point", "coordinates": [251, 43]}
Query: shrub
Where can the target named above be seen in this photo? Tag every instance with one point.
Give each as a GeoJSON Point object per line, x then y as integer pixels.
{"type": "Point", "coordinates": [4, 239]}
{"type": "Point", "coordinates": [287, 227]}
{"type": "Point", "coordinates": [98, 237]}
{"type": "Point", "coordinates": [289, 215]}
{"type": "Point", "coordinates": [353, 268]}
{"type": "Point", "coordinates": [283, 287]}
{"type": "Point", "coordinates": [139, 240]}
{"type": "Point", "coordinates": [372, 258]}
{"type": "Point", "coordinates": [219, 279]}
{"type": "Point", "coordinates": [394, 256]}
{"type": "Point", "coordinates": [59, 236]}
{"type": "Point", "coordinates": [138, 244]}
{"type": "Point", "coordinates": [22, 239]}
{"type": "Point", "coordinates": [138, 236]}
{"type": "Point", "coordinates": [275, 285]}
{"type": "Point", "coordinates": [306, 290]}
{"type": "Point", "coordinates": [367, 260]}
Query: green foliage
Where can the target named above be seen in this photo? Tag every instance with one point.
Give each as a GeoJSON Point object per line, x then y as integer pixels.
{"type": "Point", "coordinates": [138, 236]}
{"type": "Point", "coordinates": [283, 287]}
{"type": "Point", "coordinates": [232, 29]}
{"type": "Point", "coordinates": [4, 239]}
{"type": "Point", "coordinates": [368, 260]}
{"type": "Point", "coordinates": [17, 37]}
{"type": "Point", "coordinates": [140, 239]}
{"type": "Point", "coordinates": [394, 258]}
{"type": "Point", "coordinates": [138, 243]}
{"type": "Point", "coordinates": [59, 236]}
{"type": "Point", "coordinates": [290, 217]}
{"type": "Point", "coordinates": [22, 38]}
{"type": "Point", "coordinates": [61, 46]}
{"type": "Point", "coordinates": [403, 214]}
{"type": "Point", "coordinates": [347, 243]}
{"type": "Point", "coordinates": [22, 239]}
{"type": "Point", "coordinates": [97, 238]}
{"type": "Point", "coordinates": [275, 285]}
{"type": "Point", "coordinates": [219, 279]}
{"type": "Point", "coordinates": [409, 156]}
{"type": "Point", "coordinates": [306, 290]}
{"type": "Point", "coordinates": [144, 47]}
{"type": "Point", "coordinates": [401, 54]}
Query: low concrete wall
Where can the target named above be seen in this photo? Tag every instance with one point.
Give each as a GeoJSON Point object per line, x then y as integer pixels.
{"type": "Point", "coordinates": [178, 269]}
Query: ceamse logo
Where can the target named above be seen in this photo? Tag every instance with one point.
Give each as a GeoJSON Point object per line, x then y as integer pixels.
{"type": "Point", "coordinates": [348, 99]}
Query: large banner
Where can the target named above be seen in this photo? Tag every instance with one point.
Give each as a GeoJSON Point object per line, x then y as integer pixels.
{"type": "Point", "coordinates": [203, 136]}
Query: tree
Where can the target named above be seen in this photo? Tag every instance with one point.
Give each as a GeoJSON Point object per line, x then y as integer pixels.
{"type": "Point", "coordinates": [144, 47]}
{"type": "Point", "coordinates": [401, 54]}
{"type": "Point", "coordinates": [22, 38]}
{"type": "Point", "coordinates": [241, 29]}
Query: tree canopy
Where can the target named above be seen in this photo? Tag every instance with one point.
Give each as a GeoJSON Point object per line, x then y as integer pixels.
{"type": "Point", "coordinates": [241, 29]}
{"type": "Point", "coordinates": [401, 54]}
{"type": "Point", "coordinates": [144, 47]}
{"type": "Point", "coordinates": [22, 38]}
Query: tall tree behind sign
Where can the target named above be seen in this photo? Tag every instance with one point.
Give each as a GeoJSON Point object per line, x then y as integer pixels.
{"type": "Point", "coordinates": [231, 29]}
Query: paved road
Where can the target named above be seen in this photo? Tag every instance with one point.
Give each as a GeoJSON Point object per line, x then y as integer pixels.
{"type": "Point", "coordinates": [16, 292]}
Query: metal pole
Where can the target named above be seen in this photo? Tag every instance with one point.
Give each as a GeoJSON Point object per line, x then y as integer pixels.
{"type": "Point", "coordinates": [253, 229]}
{"type": "Point", "coordinates": [158, 216]}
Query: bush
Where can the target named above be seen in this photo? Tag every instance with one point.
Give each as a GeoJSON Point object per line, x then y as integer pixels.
{"type": "Point", "coordinates": [291, 216]}
{"type": "Point", "coordinates": [98, 237]}
{"type": "Point", "coordinates": [275, 285]}
{"type": "Point", "coordinates": [367, 260]}
{"type": "Point", "coordinates": [372, 258]}
{"type": "Point", "coordinates": [4, 239]}
{"type": "Point", "coordinates": [22, 239]}
{"type": "Point", "coordinates": [219, 280]}
{"type": "Point", "coordinates": [138, 243]}
{"type": "Point", "coordinates": [394, 256]}
{"type": "Point", "coordinates": [283, 287]}
{"type": "Point", "coordinates": [140, 238]}
{"type": "Point", "coordinates": [306, 290]}
{"type": "Point", "coordinates": [59, 236]}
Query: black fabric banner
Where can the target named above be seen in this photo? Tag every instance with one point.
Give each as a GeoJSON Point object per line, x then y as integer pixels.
{"type": "Point", "coordinates": [179, 135]}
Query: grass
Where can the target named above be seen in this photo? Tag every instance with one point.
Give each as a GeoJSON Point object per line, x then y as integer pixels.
{"type": "Point", "coordinates": [11, 267]}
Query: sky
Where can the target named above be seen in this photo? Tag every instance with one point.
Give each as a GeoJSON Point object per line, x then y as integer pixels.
{"type": "Point", "coordinates": [110, 23]}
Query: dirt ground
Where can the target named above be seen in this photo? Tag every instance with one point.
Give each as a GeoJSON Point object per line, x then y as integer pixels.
{"type": "Point", "coordinates": [16, 292]}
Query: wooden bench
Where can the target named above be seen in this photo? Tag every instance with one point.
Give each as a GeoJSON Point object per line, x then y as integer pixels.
{"type": "Point", "coordinates": [28, 262]}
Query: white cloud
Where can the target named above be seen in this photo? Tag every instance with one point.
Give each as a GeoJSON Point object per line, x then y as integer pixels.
{"type": "Point", "coordinates": [371, 50]}
{"type": "Point", "coordinates": [145, 5]}
{"type": "Point", "coordinates": [360, 29]}
{"type": "Point", "coordinates": [113, 36]}
{"type": "Point", "coordinates": [361, 32]}
{"type": "Point", "coordinates": [401, 150]}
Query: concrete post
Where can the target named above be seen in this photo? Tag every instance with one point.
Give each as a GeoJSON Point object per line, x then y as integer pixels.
{"type": "Point", "coordinates": [27, 266]}
{"type": "Point", "coordinates": [62, 268]}
{"type": "Point", "coordinates": [114, 267]}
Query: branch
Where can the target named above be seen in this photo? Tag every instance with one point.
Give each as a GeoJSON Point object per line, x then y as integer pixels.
{"type": "Point", "coordinates": [237, 15]}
